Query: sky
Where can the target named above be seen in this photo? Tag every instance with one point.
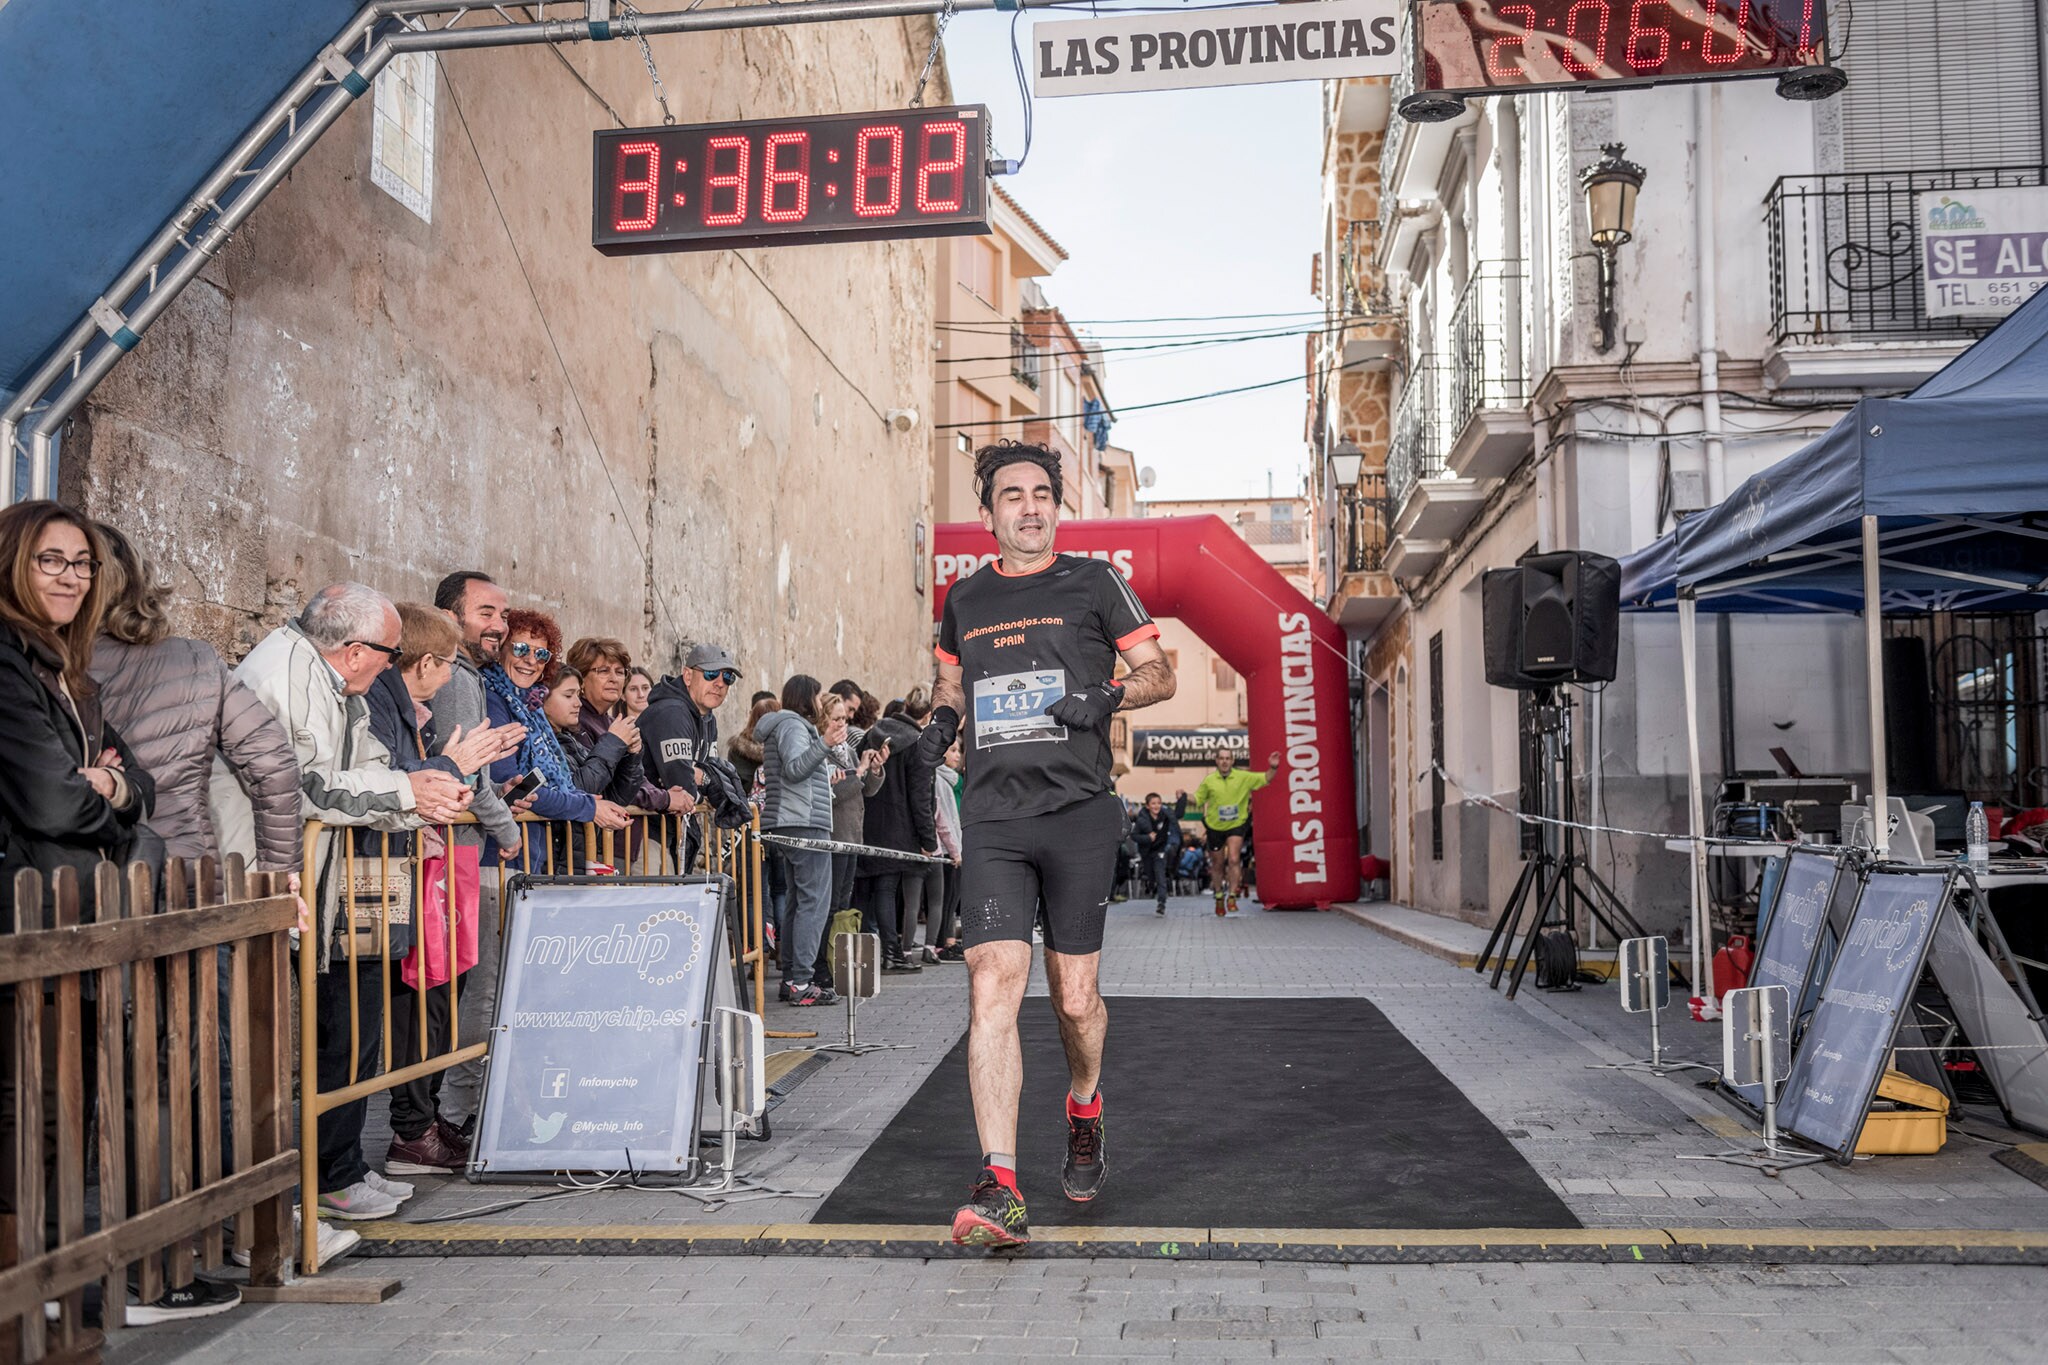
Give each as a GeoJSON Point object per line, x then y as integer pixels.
{"type": "Point", "coordinates": [1172, 204]}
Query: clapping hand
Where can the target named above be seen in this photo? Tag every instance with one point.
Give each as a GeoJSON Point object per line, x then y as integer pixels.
{"type": "Point", "coordinates": [437, 797]}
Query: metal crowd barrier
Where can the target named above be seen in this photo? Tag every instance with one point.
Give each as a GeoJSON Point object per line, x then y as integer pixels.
{"type": "Point", "coordinates": [144, 981]}
{"type": "Point", "coordinates": [654, 844]}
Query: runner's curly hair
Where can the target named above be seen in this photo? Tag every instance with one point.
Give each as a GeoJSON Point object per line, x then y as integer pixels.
{"type": "Point", "coordinates": [990, 460]}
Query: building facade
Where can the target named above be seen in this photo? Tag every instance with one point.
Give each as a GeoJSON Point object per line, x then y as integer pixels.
{"type": "Point", "coordinates": [410, 360]}
{"type": "Point", "coordinates": [1468, 407]}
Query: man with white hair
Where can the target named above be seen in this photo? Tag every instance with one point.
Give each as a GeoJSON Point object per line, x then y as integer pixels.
{"type": "Point", "coordinates": [312, 673]}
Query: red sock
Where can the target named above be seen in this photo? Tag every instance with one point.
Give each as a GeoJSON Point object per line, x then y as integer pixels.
{"type": "Point", "coordinates": [1006, 1176]}
{"type": "Point", "coordinates": [1090, 1110]}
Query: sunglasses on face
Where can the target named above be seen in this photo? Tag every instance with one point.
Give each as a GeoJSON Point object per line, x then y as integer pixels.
{"type": "Point", "coordinates": [388, 651]}
{"type": "Point", "coordinates": [524, 650]}
{"type": "Point", "coordinates": [728, 676]}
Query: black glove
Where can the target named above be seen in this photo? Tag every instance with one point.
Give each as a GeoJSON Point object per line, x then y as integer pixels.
{"type": "Point", "coordinates": [937, 736]}
{"type": "Point", "coordinates": [1088, 709]}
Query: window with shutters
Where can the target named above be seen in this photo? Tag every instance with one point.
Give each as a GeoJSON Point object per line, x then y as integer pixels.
{"type": "Point", "coordinates": [1940, 85]}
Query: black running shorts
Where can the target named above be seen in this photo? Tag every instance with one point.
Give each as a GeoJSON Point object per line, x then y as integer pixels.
{"type": "Point", "coordinates": [1065, 859]}
{"type": "Point", "coordinates": [1219, 839]}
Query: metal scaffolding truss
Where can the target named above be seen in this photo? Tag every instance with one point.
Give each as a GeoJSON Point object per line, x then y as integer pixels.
{"type": "Point", "coordinates": [339, 75]}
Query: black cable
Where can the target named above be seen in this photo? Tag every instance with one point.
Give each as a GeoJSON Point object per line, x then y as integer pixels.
{"type": "Point", "coordinates": [1222, 339]}
{"type": "Point", "coordinates": [589, 429]}
{"type": "Point", "coordinates": [1140, 407]}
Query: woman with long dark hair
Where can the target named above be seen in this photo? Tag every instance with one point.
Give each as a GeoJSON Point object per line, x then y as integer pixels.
{"type": "Point", "coordinates": [71, 791]}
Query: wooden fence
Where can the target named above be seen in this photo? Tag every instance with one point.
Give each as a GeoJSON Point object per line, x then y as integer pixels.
{"type": "Point", "coordinates": [147, 988]}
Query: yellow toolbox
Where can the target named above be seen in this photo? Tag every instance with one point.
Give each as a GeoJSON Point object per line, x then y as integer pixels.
{"type": "Point", "coordinates": [1907, 1118]}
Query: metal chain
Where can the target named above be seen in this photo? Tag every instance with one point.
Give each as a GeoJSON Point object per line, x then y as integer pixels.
{"type": "Point", "coordinates": [931, 58]}
{"type": "Point", "coordinates": [632, 21]}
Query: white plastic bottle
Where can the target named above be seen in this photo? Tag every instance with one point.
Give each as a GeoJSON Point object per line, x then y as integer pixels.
{"type": "Point", "coordinates": [1977, 838]}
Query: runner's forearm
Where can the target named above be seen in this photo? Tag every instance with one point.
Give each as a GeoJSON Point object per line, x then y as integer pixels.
{"type": "Point", "coordinates": [1151, 681]}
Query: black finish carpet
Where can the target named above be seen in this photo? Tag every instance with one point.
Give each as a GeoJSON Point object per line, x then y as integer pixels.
{"type": "Point", "coordinates": [1291, 1113]}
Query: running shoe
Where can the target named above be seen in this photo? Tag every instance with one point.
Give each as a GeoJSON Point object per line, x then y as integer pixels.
{"type": "Point", "coordinates": [813, 995]}
{"type": "Point", "coordinates": [955, 952]}
{"type": "Point", "coordinates": [1220, 911]}
{"type": "Point", "coordinates": [900, 964]}
{"type": "Point", "coordinates": [1159, 909]}
{"type": "Point", "coordinates": [929, 956]}
{"type": "Point", "coordinates": [1231, 902]}
{"type": "Point", "coordinates": [993, 1216]}
{"type": "Point", "coordinates": [1081, 1177]}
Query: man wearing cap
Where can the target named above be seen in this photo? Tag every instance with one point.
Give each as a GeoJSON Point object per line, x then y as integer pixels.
{"type": "Point", "coordinates": [678, 730]}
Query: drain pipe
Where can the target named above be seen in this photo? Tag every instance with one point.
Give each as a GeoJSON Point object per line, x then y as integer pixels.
{"type": "Point", "coordinates": [1704, 103]}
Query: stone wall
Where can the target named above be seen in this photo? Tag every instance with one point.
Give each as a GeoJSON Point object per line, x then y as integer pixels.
{"type": "Point", "coordinates": [350, 391]}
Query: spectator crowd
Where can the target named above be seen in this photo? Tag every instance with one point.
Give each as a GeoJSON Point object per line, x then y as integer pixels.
{"type": "Point", "coordinates": [410, 738]}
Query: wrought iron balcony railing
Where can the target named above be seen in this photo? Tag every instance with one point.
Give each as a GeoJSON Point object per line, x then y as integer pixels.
{"type": "Point", "coordinates": [1027, 362]}
{"type": "Point", "coordinates": [1417, 449]}
{"type": "Point", "coordinates": [1362, 519]}
{"type": "Point", "coordinates": [1486, 369]}
{"type": "Point", "coordinates": [1845, 253]}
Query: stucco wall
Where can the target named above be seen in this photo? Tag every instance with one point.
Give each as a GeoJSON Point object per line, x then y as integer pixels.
{"type": "Point", "coordinates": [353, 392]}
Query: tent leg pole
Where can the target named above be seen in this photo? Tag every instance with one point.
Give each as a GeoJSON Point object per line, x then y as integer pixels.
{"type": "Point", "coordinates": [1873, 663]}
{"type": "Point", "coordinates": [1696, 818]}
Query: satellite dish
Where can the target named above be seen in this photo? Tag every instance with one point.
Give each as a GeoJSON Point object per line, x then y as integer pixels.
{"type": "Point", "coordinates": [1147, 477]}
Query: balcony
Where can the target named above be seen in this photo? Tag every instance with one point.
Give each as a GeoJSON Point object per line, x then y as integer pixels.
{"type": "Point", "coordinates": [1431, 504]}
{"type": "Point", "coordinates": [1848, 299]}
{"type": "Point", "coordinates": [1490, 432]}
{"type": "Point", "coordinates": [1372, 327]}
{"type": "Point", "coordinates": [1364, 594]}
{"type": "Point", "coordinates": [1027, 362]}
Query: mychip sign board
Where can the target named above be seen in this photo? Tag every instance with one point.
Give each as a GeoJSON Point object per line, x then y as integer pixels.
{"type": "Point", "coordinates": [1848, 1042]}
{"type": "Point", "coordinates": [603, 1001]}
{"type": "Point", "coordinates": [1790, 942]}
{"type": "Point", "coordinates": [1983, 252]}
{"type": "Point", "coordinates": [1202, 47]}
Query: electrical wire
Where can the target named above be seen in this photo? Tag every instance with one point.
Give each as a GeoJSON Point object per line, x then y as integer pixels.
{"type": "Point", "coordinates": [1023, 91]}
{"type": "Point", "coordinates": [1141, 407]}
{"type": "Point", "coordinates": [1197, 342]}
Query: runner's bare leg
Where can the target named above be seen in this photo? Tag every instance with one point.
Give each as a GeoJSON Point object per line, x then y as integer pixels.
{"type": "Point", "coordinates": [996, 976]}
{"type": "Point", "coordinates": [1234, 857]}
{"type": "Point", "coordinates": [1072, 980]}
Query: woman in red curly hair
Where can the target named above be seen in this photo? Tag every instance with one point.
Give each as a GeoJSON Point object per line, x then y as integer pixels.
{"type": "Point", "coordinates": [514, 688]}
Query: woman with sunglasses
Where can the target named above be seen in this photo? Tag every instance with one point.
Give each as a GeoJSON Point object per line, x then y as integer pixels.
{"type": "Point", "coordinates": [515, 688]}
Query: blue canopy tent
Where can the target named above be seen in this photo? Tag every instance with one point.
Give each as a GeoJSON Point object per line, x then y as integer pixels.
{"type": "Point", "coordinates": [1937, 501]}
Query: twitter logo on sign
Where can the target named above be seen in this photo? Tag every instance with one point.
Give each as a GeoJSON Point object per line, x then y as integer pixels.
{"type": "Point", "coordinates": [545, 1129]}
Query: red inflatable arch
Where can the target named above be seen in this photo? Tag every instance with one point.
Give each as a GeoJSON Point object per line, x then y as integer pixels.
{"type": "Point", "coordinates": [1305, 823]}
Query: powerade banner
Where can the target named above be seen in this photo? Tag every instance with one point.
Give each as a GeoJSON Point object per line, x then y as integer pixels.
{"type": "Point", "coordinates": [1292, 655]}
{"type": "Point", "coordinates": [1188, 748]}
{"type": "Point", "coordinates": [603, 1000]}
{"type": "Point", "coordinates": [1848, 1042]}
{"type": "Point", "coordinates": [1177, 51]}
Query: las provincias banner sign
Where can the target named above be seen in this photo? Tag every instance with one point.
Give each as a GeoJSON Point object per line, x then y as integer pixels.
{"type": "Point", "coordinates": [1286, 42]}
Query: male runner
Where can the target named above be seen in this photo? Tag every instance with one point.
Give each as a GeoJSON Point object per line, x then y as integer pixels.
{"type": "Point", "coordinates": [1027, 650]}
{"type": "Point", "coordinates": [1224, 798]}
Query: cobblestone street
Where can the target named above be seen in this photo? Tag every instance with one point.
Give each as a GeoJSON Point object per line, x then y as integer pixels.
{"type": "Point", "coordinates": [1606, 1140]}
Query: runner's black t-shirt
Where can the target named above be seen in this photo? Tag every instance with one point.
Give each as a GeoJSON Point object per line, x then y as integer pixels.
{"type": "Point", "coordinates": [1022, 643]}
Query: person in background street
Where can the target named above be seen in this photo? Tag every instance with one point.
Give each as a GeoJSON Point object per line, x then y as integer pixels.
{"type": "Point", "coordinates": [639, 686]}
{"type": "Point", "coordinates": [603, 666]}
{"type": "Point", "coordinates": [800, 805]}
{"type": "Point", "coordinates": [856, 776]}
{"type": "Point", "coordinates": [680, 730]}
{"type": "Point", "coordinates": [902, 815]}
{"type": "Point", "coordinates": [478, 606]}
{"type": "Point", "coordinates": [71, 794]}
{"type": "Point", "coordinates": [514, 689]}
{"type": "Point", "coordinates": [1224, 799]}
{"type": "Point", "coordinates": [946, 793]}
{"type": "Point", "coordinates": [312, 674]}
{"type": "Point", "coordinates": [924, 884]}
{"type": "Point", "coordinates": [423, 1142]}
{"type": "Point", "coordinates": [1157, 831]}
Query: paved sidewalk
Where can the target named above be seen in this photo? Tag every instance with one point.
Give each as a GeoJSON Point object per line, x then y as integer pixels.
{"type": "Point", "coordinates": [793, 1311]}
{"type": "Point", "coordinates": [1606, 1140]}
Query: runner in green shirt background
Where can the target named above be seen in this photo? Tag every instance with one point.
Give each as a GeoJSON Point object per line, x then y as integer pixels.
{"type": "Point", "coordinates": [1224, 798]}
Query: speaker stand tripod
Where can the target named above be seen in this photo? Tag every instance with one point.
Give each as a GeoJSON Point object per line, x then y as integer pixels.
{"type": "Point", "coordinates": [1558, 878]}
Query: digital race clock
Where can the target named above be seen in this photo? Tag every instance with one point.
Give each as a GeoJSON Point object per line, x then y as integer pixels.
{"type": "Point", "coordinates": [1474, 47]}
{"type": "Point", "coordinates": [839, 177]}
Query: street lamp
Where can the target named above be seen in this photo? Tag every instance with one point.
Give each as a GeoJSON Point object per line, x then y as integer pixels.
{"type": "Point", "coordinates": [1347, 461]}
{"type": "Point", "coordinates": [1610, 186]}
